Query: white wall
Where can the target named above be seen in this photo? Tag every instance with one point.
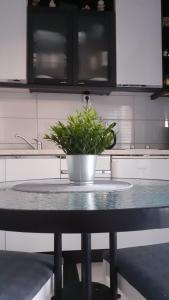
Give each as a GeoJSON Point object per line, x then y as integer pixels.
{"type": "Point", "coordinates": [140, 121]}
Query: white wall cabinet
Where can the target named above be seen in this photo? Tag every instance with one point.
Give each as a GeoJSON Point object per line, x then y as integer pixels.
{"type": "Point", "coordinates": [32, 168]}
{"type": "Point", "coordinates": [138, 42]}
{"type": "Point", "coordinates": [13, 39]}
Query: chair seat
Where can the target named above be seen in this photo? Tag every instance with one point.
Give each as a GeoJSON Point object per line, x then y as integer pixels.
{"type": "Point", "coordinates": [22, 274]}
{"type": "Point", "coordinates": [146, 268]}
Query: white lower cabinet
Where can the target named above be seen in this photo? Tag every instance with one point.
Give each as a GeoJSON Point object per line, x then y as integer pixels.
{"type": "Point", "coordinates": [142, 237]}
{"type": "Point", "coordinates": [145, 168]}
{"type": "Point", "coordinates": [2, 240]}
{"type": "Point", "coordinates": [35, 242]}
{"type": "Point", "coordinates": [2, 170]}
{"type": "Point", "coordinates": [32, 168]}
{"type": "Point", "coordinates": [40, 242]}
{"type": "Point", "coordinates": [73, 241]}
{"type": "Point", "coordinates": [30, 242]}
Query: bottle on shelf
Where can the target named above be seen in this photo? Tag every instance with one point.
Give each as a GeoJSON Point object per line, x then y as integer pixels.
{"type": "Point", "coordinates": [52, 4]}
{"type": "Point", "coordinates": [165, 52]}
{"type": "Point", "coordinates": [34, 2]}
{"type": "Point", "coordinates": [39, 3]}
{"type": "Point", "coordinates": [100, 5]}
{"type": "Point", "coordinates": [166, 80]}
{"type": "Point", "coordinates": [166, 21]}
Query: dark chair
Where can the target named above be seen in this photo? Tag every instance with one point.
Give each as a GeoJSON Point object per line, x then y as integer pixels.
{"type": "Point", "coordinates": [22, 274]}
{"type": "Point", "coordinates": [146, 268]}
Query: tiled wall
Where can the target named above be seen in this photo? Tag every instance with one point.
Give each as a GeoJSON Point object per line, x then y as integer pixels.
{"type": "Point", "coordinates": [140, 121]}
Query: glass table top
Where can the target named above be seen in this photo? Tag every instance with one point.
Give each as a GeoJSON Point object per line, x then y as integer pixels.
{"type": "Point", "coordinates": [143, 194]}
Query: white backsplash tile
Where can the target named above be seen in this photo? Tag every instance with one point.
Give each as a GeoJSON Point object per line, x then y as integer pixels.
{"type": "Point", "coordinates": [140, 122]}
{"type": "Point", "coordinates": [10, 127]}
{"type": "Point", "coordinates": [17, 146]}
{"type": "Point", "coordinates": [146, 109]}
{"type": "Point", "coordinates": [124, 130]}
{"type": "Point", "coordinates": [44, 125]}
{"type": "Point", "coordinates": [17, 105]}
{"type": "Point", "coordinates": [151, 132]}
{"type": "Point", "coordinates": [58, 106]}
{"type": "Point", "coordinates": [114, 107]}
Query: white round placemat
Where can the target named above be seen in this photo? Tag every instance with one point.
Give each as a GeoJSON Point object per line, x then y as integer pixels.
{"type": "Point", "coordinates": [98, 186]}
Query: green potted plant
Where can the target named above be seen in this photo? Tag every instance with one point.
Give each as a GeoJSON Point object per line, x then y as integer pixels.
{"type": "Point", "coordinates": [82, 139]}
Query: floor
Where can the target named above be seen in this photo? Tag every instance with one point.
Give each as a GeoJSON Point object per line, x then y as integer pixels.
{"type": "Point", "coordinates": [98, 275]}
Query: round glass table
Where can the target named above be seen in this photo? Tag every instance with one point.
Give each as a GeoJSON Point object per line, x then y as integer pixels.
{"type": "Point", "coordinates": [144, 206]}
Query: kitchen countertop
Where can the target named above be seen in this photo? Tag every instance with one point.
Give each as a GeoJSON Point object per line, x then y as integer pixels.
{"type": "Point", "coordinates": [58, 152]}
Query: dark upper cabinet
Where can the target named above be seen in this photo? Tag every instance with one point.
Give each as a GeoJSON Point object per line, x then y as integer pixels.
{"type": "Point", "coordinates": [49, 46]}
{"type": "Point", "coordinates": [94, 61]}
{"type": "Point", "coordinates": [71, 47]}
{"type": "Point", "coordinates": [165, 42]}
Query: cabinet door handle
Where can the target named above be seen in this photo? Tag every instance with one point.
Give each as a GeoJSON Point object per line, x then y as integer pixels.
{"type": "Point", "coordinates": [63, 82]}
{"type": "Point", "coordinates": [103, 172]}
{"type": "Point", "coordinates": [64, 172]}
{"type": "Point", "coordinates": [81, 83]}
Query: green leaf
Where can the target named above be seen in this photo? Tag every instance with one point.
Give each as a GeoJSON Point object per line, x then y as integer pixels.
{"type": "Point", "coordinates": [84, 133]}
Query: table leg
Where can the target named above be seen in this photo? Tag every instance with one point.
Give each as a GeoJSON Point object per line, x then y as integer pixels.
{"type": "Point", "coordinates": [86, 266]}
{"type": "Point", "coordinates": [86, 290]}
{"type": "Point", "coordinates": [57, 265]}
{"type": "Point", "coordinates": [113, 268]}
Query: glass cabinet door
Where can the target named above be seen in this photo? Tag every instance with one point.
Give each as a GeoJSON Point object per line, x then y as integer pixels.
{"type": "Point", "coordinates": [95, 44]}
{"type": "Point", "coordinates": [49, 38]}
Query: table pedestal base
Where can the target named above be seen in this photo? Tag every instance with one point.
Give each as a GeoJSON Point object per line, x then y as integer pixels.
{"type": "Point", "coordinates": [76, 292]}
{"type": "Point", "coordinates": [86, 289]}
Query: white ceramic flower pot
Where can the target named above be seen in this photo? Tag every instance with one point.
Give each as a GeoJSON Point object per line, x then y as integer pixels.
{"type": "Point", "coordinates": [81, 168]}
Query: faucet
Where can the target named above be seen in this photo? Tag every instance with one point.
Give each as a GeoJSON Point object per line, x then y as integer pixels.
{"type": "Point", "coordinates": [38, 143]}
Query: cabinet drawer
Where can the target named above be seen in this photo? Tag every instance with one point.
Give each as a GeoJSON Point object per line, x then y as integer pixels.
{"type": "Point", "coordinates": [30, 168]}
